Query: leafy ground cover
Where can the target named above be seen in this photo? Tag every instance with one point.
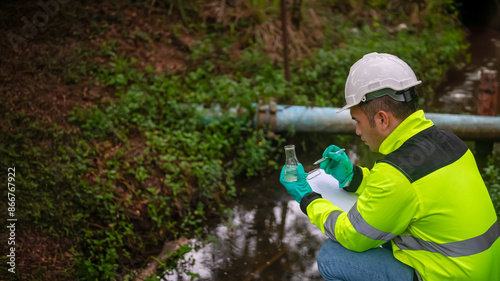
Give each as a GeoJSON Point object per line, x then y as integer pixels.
{"type": "Point", "coordinates": [105, 112]}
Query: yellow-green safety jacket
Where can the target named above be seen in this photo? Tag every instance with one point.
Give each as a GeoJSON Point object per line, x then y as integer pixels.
{"type": "Point", "coordinates": [427, 197]}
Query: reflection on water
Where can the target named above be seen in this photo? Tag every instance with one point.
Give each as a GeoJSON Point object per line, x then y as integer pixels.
{"type": "Point", "coordinates": [268, 238]}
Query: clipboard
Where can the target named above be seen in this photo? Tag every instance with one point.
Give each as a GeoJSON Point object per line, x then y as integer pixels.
{"type": "Point", "coordinates": [328, 187]}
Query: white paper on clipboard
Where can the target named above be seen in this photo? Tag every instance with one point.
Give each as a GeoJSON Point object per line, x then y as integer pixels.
{"type": "Point", "coordinates": [328, 187]}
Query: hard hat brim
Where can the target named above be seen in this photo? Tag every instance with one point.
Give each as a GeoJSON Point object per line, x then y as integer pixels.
{"type": "Point", "coordinates": [345, 107]}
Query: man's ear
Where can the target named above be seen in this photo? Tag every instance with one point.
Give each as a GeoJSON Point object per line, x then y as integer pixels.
{"type": "Point", "coordinates": [382, 120]}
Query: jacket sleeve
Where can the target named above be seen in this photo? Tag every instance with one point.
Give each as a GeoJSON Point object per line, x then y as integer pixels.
{"type": "Point", "coordinates": [384, 210]}
{"type": "Point", "coordinates": [358, 182]}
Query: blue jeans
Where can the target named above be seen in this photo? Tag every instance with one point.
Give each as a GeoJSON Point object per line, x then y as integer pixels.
{"type": "Point", "coordinates": [335, 262]}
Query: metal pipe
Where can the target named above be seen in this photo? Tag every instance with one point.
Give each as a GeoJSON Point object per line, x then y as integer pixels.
{"type": "Point", "coordinates": [282, 118]}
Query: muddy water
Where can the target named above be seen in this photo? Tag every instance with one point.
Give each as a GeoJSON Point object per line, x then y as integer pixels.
{"type": "Point", "coordinates": [267, 237]}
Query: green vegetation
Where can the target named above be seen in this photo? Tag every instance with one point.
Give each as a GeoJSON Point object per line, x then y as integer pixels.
{"type": "Point", "coordinates": [431, 45]}
{"type": "Point", "coordinates": [139, 169]}
{"type": "Point", "coordinates": [491, 176]}
{"type": "Point", "coordinates": [143, 164]}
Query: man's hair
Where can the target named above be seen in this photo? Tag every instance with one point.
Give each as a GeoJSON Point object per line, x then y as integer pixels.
{"type": "Point", "coordinates": [399, 109]}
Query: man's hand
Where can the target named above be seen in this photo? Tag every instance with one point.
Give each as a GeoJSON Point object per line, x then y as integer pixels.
{"type": "Point", "coordinates": [338, 165]}
{"type": "Point", "coordinates": [297, 188]}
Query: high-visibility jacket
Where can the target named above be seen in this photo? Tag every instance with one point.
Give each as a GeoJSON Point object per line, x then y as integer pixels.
{"type": "Point", "coordinates": [427, 197]}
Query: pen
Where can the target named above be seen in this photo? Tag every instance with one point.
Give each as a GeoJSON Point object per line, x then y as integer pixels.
{"type": "Point", "coordinates": [324, 158]}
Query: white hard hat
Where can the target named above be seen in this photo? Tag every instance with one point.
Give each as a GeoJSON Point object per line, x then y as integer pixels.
{"type": "Point", "coordinates": [382, 73]}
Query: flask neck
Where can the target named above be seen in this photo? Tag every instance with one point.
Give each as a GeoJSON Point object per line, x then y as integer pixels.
{"type": "Point", "coordinates": [291, 158]}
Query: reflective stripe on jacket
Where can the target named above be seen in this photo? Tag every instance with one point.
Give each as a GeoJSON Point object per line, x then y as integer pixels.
{"type": "Point", "coordinates": [427, 197]}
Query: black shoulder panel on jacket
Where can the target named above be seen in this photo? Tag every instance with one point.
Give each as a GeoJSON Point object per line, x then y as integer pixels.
{"type": "Point", "coordinates": [426, 152]}
{"type": "Point", "coordinates": [357, 178]}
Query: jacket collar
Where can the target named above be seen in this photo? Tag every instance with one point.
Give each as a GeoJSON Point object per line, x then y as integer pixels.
{"type": "Point", "coordinates": [412, 125]}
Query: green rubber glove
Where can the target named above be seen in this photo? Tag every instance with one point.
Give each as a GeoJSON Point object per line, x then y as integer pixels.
{"type": "Point", "coordinates": [337, 165]}
{"type": "Point", "coordinates": [297, 188]}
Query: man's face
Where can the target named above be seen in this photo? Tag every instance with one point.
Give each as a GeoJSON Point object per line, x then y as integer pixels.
{"type": "Point", "coordinates": [371, 136]}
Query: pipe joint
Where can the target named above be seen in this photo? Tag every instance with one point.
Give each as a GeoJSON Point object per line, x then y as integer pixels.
{"type": "Point", "coordinates": [266, 114]}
